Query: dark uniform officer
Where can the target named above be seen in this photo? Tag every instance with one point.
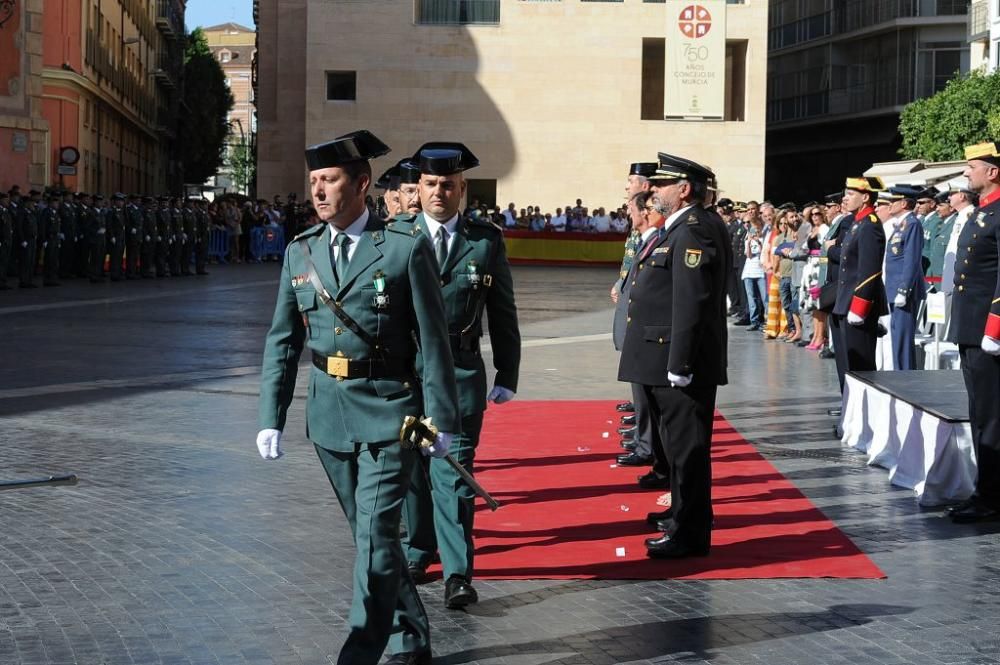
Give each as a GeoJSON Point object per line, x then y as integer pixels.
{"type": "Point", "coordinates": [202, 231]}
{"type": "Point", "coordinates": [904, 281]}
{"type": "Point", "coordinates": [975, 327]}
{"type": "Point", "coordinates": [96, 231]}
{"type": "Point", "coordinates": [860, 290]}
{"type": "Point", "coordinates": [26, 236]}
{"type": "Point", "coordinates": [116, 236]}
{"type": "Point", "coordinates": [164, 238]}
{"type": "Point", "coordinates": [149, 236]}
{"type": "Point", "coordinates": [50, 232]}
{"type": "Point", "coordinates": [739, 305]}
{"type": "Point", "coordinates": [67, 236]}
{"type": "Point", "coordinates": [475, 279]}
{"type": "Point", "coordinates": [133, 237]}
{"type": "Point", "coordinates": [676, 346]}
{"type": "Point", "coordinates": [6, 238]}
{"type": "Point", "coordinates": [177, 240]}
{"type": "Point", "coordinates": [84, 210]}
{"type": "Point", "coordinates": [363, 383]}
{"type": "Point", "coordinates": [188, 231]}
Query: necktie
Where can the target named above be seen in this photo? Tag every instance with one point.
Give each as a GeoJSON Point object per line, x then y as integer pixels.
{"type": "Point", "coordinates": [343, 256]}
{"type": "Point", "coordinates": [441, 246]}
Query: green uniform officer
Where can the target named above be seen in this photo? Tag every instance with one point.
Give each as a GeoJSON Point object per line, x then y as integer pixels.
{"type": "Point", "coordinates": [940, 235]}
{"type": "Point", "coordinates": [474, 276]}
{"type": "Point", "coordinates": [401, 198]}
{"type": "Point", "coordinates": [6, 237]}
{"type": "Point", "coordinates": [362, 296]}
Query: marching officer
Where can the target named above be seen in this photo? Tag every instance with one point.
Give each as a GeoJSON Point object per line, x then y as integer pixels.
{"type": "Point", "coordinates": [50, 233]}
{"type": "Point", "coordinates": [96, 231]}
{"type": "Point", "coordinates": [177, 240]}
{"type": "Point", "coordinates": [81, 263]}
{"type": "Point", "coordinates": [133, 237]}
{"type": "Point", "coordinates": [401, 206]}
{"type": "Point", "coordinates": [116, 236]}
{"type": "Point", "coordinates": [27, 238]}
{"type": "Point", "coordinates": [975, 327]}
{"type": "Point", "coordinates": [149, 237]}
{"type": "Point", "coordinates": [904, 281]}
{"type": "Point", "coordinates": [6, 237]}
{"type": "Point", "coordinates": [860, 291]}
{"type": "Point", "coordinates": [475, 280]}
{"type": "Point", "coordinates": [362, 295]}
{"type": "Point", "coordinates": [676, 346]}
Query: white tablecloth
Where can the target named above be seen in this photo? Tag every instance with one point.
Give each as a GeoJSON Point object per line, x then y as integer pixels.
{"type": "Point", "coordinates": [932, 457]}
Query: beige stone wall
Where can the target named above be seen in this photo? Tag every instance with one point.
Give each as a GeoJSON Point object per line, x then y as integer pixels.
{"type": "Point", "coordinates": [549, 99]}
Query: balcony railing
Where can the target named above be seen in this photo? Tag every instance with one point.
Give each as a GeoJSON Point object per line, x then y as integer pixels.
{"type": "Point", "coordinates": [979, 19]}
{"type": "Point", "coordinates": [168, 19]}
{"type": "Point", "coordinates": [850, 15]}
{"type": "Point", "coordinates": [458, 12]}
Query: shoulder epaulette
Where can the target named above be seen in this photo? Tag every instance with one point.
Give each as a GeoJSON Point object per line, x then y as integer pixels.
{"type": "Point", "coordinates": [316, 229]}
{"type": "Point", "coordinates": [872, 217]}
{"type": "Point", "coordinates": [692, 219]}
{"type": "Point", "coordinates": [401, 227]}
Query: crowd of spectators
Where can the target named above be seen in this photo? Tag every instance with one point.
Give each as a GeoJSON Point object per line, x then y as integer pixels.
{"type": "Point", "coordinates": [577, 218]}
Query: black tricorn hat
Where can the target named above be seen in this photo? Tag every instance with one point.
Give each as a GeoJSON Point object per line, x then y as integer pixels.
{"type": "Point", "coordinates": [409, 173]}
{"type": "Point", "coordinates": [444, 158]}
{"type": "Point", "coordinates": [389, 180]}
{"type": "Point", "coordinates": [645, 169]}
{"type": "Point", "coordinates": [672, 167]}
{"type": "Point", "coordinates": [353, 147]}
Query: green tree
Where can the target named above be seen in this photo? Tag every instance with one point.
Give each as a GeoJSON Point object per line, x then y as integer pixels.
{"type": "Point", "coordinates": [966, 112]}
{"type": "Point", "coordinates": [207, 102]}
{"type": "Point", "coordinates": [241, 163]}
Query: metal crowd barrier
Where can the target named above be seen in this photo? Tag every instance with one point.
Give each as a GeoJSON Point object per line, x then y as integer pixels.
{"type": "Point", "coordinates": [267, 241]}
{"type": "Point", "coordinates": [218, 245]}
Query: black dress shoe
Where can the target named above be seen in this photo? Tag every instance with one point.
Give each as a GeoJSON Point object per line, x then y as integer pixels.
{"type": "Point", "coordinates": [627, 432]}
{"type": "Point", "coordinates": [410, 658]}
{"type": "Point", "coordinates": [653, 518]}
{"type": "Point", "coordinates": [628, 420]}
{"type": "Point", "coordinates": [826, 353]}
{"type": "Point", "coordinates": [634, 459]}
{"type": "Point", "coordinates": [666, 547]}
{"type": "Point", "coordinates": [961, 506]}
{"type": "Point", "coordinates": [418, 573]}
{"type": "Point", "coordinates": [742, 322]}
{"type": "Point", "coordinates": [458, 593]}
{"type": "Point", "coordinates": [626, 407]}
{"type": "Point", "coordinates": [628, 444]}
{"type": "Point", "coordinates": [802, 343]}
{"type": "Point", "coordinates": [653, 481]}
{"type": "Point", "coordinates": [977, 512]}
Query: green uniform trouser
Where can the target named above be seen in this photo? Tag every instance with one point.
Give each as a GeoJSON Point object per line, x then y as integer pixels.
{"type": "Point", "coordinates": [439, 509]}
{"type": "Point", "coordinates": [371, 483]}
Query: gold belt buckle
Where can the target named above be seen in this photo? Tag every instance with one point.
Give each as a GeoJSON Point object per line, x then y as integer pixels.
{"type": "Point", "coordinates": [338, 366]}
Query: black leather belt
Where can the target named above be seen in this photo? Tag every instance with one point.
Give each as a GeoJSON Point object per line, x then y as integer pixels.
{"type": "Point", "coordinates": [345, 368]}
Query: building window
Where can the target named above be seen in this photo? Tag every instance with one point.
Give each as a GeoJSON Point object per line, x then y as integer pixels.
{"type": "Point", "coordinates": [458, 12]}
{"type": "Point", "coordinates": [341, 86]}
{"type": "Point", "coordinates": [484, 191]}
{"type": "Point", "coordinates": [654, 72]}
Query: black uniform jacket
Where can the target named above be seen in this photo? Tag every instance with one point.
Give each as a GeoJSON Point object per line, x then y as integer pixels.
{"type": "Point", "coordinates": [975, 300]}
{"type": "Point", "coordinates": [860, 287]}
{"type": "Point", "coordinates": [677, 304]}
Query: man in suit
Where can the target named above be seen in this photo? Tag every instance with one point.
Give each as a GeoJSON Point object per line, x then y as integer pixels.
{"type": "Point", "coordinates": [676, 346]}
{"type": "Point", "coordinates": [475, 279]}
{"type": "Point", "coordinates": [975, 327]}
{"type": "Point", "coordinates": [904, 277]}
{"type": "Point", "coordinates": [860, 290]}
{"type": "Point", "coordinates": [362, 296]}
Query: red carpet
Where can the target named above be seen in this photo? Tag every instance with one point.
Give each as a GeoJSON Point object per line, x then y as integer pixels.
{"type": "Point", "coordinates": [565, 511]}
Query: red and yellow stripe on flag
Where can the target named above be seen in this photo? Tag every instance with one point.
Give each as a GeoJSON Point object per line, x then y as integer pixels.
{"type": "Point", "coordinates": [568, 248]}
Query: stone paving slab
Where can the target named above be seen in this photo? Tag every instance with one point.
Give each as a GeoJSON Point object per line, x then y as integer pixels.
{"type": "Point", "coordinates": [181, 546]}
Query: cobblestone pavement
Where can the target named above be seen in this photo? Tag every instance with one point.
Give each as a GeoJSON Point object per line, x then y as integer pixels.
{"type": "Point", "coordinates": [180, 546]}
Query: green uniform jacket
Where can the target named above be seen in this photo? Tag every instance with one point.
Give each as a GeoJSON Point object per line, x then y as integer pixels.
{"type": "Point", "coordinates": [468, 259]}
{"type": "Point", "coordinates": [339, 412]}
{"type": "Point", "coordinates": [938, 245]}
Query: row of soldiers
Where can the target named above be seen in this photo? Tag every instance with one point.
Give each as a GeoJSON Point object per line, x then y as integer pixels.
{"type": "Point", "coordinates": [61, 234]}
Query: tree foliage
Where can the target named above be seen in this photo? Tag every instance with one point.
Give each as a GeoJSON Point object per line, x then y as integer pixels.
{"type": "Point", "coordinates": [966, 112]}
{"type": "Point", "coordinates": [242, 164]}
{"type": "Point", "coordinates": [207, 102]}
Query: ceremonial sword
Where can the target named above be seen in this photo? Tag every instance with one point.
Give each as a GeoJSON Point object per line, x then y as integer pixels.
{"type": "Point", "coordinates": [69, 479]}
{"type": "Point", "coordinates": [417, 433]}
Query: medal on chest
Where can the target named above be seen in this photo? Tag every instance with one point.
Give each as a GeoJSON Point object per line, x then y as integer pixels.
{"type": "Point", "coordinates": [475, 279]}
{"type": "Point", "coordinates": [381, 299]}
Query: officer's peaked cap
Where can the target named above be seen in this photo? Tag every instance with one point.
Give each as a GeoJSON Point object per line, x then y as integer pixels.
{"type": "Point", "coordinates": [353, 147]}
{"type": "Point", "coordinates": [672, 167]}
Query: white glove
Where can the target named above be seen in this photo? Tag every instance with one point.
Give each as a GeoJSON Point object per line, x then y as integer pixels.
{"type": "Point", "coordinates": [679, 381]}
{"type": "Point", "coordinates": [854, 319]}
{"type": "Point", "coordinates": [899, 300]}
{"type": "Point", "coordinates": [147, 238]}
{"type": "Point", "coordinates": [440, 446]}
{"type": "Point", "coordinates": [499, 395]}
{"type": "Point", "coordinates": [45, 244]}
{"type": "Point", "coordinates": [62, 236]}
{"type": "Point", "coordinates": [114, 241]}
{"type": "Point", "coordinates": [990, 345]}
{"type": "Point", "coordinates": [269, 443]}
{"type": "Point", "coordinates": [24, 244]}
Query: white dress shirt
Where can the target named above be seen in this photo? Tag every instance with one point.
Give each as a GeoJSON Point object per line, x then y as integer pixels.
{"type": "Point", "coordinates": [674, 217]}
{"type": "Point", "coordinates": [353, 232]}
{"type": "Point", "coordinates": [433, 226]}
